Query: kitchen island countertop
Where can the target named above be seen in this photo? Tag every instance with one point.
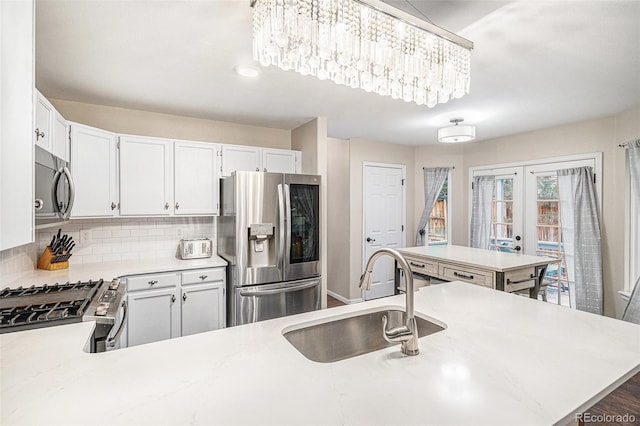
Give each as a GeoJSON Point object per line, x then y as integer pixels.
{"type": "Point", "coordinates": [503, 359]}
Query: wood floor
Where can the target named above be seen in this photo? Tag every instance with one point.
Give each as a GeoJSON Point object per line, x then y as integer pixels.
{"type": "Point", "coordinates": [333, 302]}
{"type": "Point", "coordinates": [624, 400]}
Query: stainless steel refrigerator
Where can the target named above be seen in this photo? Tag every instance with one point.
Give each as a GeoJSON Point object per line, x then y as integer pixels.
{"type": "Point", "coordinates": [269, 232]}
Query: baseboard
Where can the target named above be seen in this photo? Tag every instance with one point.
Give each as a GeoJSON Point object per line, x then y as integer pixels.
{"type": "Point", "coordinates": [344, 299]}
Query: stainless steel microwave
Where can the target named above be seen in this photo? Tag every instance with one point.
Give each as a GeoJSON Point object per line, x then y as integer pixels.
{"type": "Point", "coordinates": [54, 190]}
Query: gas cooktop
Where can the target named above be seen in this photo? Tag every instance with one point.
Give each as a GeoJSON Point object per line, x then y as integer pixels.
{"type": "Point", "coordinates": [25, 308]}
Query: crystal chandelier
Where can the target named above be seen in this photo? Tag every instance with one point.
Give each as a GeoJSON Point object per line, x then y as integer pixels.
{"type": "Point", "coordinates": [363, 43]}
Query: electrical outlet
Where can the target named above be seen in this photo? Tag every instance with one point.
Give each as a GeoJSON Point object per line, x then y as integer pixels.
{"type": "Point", "coordinates": [85, 237]}
{"type": "Point", "coordinates": [179, 233]}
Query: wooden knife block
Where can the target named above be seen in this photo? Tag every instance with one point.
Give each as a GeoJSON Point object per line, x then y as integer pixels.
{"type": "Point", "coordinates": [45, 261]}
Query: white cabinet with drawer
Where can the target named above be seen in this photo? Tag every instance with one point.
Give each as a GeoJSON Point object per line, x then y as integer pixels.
{"type": "Point", "coordinates": [452, 272]}
{"type": "Point", "coordinates": [172, 304]}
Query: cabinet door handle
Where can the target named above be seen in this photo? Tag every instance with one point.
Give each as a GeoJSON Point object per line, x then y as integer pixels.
{"type": "Point", "coordinates": [166, 206]}
{"type": "Point", "coordinates": [257, 169]}
{"type": "Point", "coordinates": [173, 298]}
{"type": "Point", "coordinates": [113, 206]}
{"type": "Point", "coordinates": [39, 134]}
{"type": "Point", "coordinates": [459, 275]}
{"type": "Point", "coordinates": [184, 296]}
{"type": "Point", "coordinates": [177, 206]}
{"type": "Point", "coordinates": [203, 277]}
{"type": "Point", "coordinates": [265, 169]}
{"type": "Point", "coordinates": [152, 282]}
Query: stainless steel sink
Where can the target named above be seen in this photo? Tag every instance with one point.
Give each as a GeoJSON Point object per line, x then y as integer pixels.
{"type": "Point", "coordinates": [344, 338]}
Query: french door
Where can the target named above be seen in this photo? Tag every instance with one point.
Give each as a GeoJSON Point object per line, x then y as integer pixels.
{"type": "Point", "coordinates": [526, 217]}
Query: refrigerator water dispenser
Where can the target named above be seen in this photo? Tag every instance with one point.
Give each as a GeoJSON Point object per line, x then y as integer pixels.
{"type": "Point", "coordinates": [261, 245]}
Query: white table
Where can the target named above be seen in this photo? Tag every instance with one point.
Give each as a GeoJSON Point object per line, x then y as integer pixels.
{"type": "Point", "coordinates": [508, 272]}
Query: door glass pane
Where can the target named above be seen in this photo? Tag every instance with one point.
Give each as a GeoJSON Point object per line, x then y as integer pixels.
{"type": "Point", "coordinates": [555, 286]}
{"type": "Point", "coordinates": [305, 223]}
{"type": "Point", "coordinates": [502, 221]}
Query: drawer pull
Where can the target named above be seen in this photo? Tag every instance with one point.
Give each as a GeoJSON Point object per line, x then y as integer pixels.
{"type": "Point", "coordinates": [459, 275]}
{"type": "Point", "coordinates": [152, 282]}
{"type": "Point", "coordinates": [417, 265]}
{"type": "Point", "coordinates": [531, 277]}
{"type": "Point", "coordinates": [203, 277]}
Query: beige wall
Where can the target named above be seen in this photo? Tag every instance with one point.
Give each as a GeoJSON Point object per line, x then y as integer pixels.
{"type": "Point", "coordinates": [363, 150]}
{"type": "Point", "coordinates": [338, 200]}
{"type": "Point", "coordinates": [311, 139]}
{"type": "Point", "coordinates": [145, 123]}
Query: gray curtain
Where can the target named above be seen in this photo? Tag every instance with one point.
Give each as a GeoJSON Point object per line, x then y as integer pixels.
{"type": "Point", "coordinates": [633, 154]}
{"type": "Point", "coordinates": [481, 211]}
{"type": "Point", "coordinates": [581, 237]}
{"type": "Point", "coordinates": [632, 311]}
{"type": "Point", "coordinates": [433, 181]}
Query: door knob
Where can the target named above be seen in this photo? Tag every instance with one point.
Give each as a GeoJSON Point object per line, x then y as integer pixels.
{"type": "Point", "coordinates": [518, 237]}
{"type": "Point", "coordinates": [370, 240]}
{"type": "Point", "coordinates": [517, 248]}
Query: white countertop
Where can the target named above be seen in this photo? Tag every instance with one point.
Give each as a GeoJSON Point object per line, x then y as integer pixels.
{"type": "Point", "coordinates": [503, 359]}
{"type": "Point", "coordinates": [107, 270]}
{"type": "Point", "coordinates": [485, 259]}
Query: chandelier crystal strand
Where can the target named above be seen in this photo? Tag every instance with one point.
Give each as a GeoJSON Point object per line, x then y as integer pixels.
{"type": "Point", "coordinates": [356, 45]}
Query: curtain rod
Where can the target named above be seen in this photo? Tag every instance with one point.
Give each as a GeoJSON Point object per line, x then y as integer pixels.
{"type": "Point", "coordinates": [626, 144]}
{"type": "Point", "coordinates": [447, 167]}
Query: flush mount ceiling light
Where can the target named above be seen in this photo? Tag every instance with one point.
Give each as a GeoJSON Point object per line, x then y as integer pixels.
{"type": "Point", "coordinates": [363, 44]}
{"type": "Point", "coordinates": [456, 133]}
{"type": "Point", "coordinates": [246, 71]}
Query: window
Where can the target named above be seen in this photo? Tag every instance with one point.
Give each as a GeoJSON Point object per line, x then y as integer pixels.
{"type": "Point", "coordinates": [438, 226]}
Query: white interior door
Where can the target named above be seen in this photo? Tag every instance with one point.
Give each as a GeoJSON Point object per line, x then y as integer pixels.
{"type": "Point", "coordinates": [383, 202]}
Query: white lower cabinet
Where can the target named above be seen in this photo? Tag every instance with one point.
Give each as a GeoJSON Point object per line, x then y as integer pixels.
{"type": "Point", "coordinates": [167, 305]}
{"type": "Point", "coordinates": [153, 315]}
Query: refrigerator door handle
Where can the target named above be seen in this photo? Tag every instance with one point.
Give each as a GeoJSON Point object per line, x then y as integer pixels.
{"type": "Point", "coordinates": [287, 219]}
{"type": "Point", "coordinates": [281, 217]}
{"type": "Point", "coordinates": [258, 293]}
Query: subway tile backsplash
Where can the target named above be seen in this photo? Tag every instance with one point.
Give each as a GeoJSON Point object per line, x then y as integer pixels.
{"type": "Point", "coordinates": [113, 240]}
{"type": "Point", "coordinates": [101, 240]}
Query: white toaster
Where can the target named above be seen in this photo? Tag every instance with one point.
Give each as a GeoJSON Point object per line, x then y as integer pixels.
{"type": "Point", "coordinates": [195, 248]}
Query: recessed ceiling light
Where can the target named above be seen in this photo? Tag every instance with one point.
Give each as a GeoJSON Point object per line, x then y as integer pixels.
{"type": "Point", "coordinates": [247, 71]}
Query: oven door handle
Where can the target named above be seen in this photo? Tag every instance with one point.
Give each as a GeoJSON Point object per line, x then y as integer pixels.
{"type": "Point", "coordinates": [111, 341]}
{"type": "Point", "coordinates": [259, 293]}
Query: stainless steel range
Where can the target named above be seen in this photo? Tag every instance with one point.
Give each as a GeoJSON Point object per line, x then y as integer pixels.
{"type": "Point", "coordinates": [49, 305]}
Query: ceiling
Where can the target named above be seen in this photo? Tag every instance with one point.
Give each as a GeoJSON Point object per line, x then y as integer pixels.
{"type": "Point", "coordinates": [535, 64]}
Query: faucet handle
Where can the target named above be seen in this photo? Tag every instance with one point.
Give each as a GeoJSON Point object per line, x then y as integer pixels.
{"type": "Point", "coordinates": [394, 335]}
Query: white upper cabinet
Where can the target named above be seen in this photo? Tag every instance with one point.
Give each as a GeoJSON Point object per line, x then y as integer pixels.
{"type": "Point", "coordinates": [51, 131]}
{"type": "Point", "coordinates": [239, 157]}
{"type": "Point", "coordinates": [251, 158]}
{"type": "Point", "coordinates": [60, 135]}
{"type": "Point", "coordinates": [195, 178]}
{"type": "Point", "coordinates": [281, 161]}
{"type": "Point", "coordinates": [146, 176]}
{"type": "Point", "coordinates": [44, 114]}
{"type": "Point", "coordinates": [94, 167]}
{"type": "Point", "coordinates": [17, 124]}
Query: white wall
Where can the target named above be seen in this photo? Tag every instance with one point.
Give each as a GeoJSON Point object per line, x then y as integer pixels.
{"type": "Point", "coordinates": [338, 217]}
{"type": "Point", "coordinates": [145, 123]}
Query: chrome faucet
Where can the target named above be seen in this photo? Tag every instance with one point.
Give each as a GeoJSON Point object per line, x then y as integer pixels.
{"type": "Point", "coordinates": [408, 333]}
